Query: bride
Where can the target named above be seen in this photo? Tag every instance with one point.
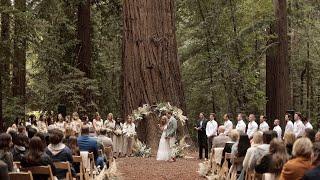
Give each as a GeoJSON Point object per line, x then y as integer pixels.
{"type": "Point", "coordinates": [164, 149]}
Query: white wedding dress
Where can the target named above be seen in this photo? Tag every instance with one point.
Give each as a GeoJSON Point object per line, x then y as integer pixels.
{"type": "Point", "coordinates": [163, 149]}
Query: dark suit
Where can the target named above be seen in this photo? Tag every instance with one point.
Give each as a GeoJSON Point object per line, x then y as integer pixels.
{"type": "Point", "coordinates": [313, 174]}
{"type": "Point", "coordinates": [202, 138]}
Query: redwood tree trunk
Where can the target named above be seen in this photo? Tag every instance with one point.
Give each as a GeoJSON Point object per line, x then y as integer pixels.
{"type": "Point", "coordinates": [19, 55]}
{"type": "Point", "coordinates": [150, 66]}
{"type": "Point", "coordinates": [278, 66]}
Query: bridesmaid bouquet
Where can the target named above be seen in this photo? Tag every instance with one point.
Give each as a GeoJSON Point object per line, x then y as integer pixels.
{"type": "Point", "coordinates": [109, 130]}
{"type": "Point", "coordinates": [118, 132]}
{"type": "Point", "coordinates": [131, 134]}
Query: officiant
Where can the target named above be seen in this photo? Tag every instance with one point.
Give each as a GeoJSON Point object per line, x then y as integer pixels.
{"type": "Point", "coordinates": [202, 137]}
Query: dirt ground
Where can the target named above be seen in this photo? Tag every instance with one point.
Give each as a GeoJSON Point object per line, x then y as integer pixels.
{"type": "Point", "coordinates": [135, 168]}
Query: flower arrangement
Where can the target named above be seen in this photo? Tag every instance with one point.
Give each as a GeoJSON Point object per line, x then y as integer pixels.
{"type": "Point", "coordinates": [118, 132]}
{"type": "Point", "coordinates": [178, 149]}
{"type": "Point", "coordinates": [141, 150]}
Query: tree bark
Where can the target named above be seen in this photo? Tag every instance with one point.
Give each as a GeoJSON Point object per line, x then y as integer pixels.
{"type": "Point", "coordinates": [277, 65]}
{"type": "Point", "coordinates": [150, 66]}
{"type": "Point", "coordinates": [19, 55]}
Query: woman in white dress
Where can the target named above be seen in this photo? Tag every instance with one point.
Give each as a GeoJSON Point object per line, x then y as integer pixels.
{"type": "Point", "coordinates": [117, 138]}
{"type": "Point", "coordinates": [163, 149]}
{"type": "Point", "coordinates": [97, 122]}
{"type": "Point", "coordinates": [110, 124]}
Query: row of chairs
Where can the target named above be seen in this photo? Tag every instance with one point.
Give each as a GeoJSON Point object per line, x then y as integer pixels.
{"type": "Point", "coordinates": [84, 173]}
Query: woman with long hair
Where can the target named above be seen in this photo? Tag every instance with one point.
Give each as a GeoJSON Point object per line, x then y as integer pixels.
{"type": "Point", "coordinates": [110, 125]}
{"type": "Point", "coordinates": [5, 154]}
{"type": "Point", "coordinates": [117, 138]}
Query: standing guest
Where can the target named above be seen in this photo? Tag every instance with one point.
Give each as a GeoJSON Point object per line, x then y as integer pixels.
{"type": "Point", "coordinates": [202, 137]}
{"type": "Point", "coordinates": [241, 125]}
{"type": "Point", "coordinates": [129, 131]}
{"type": "Point", "coordinates": [289, 123]}
{"type": "Point", "coordinates": [60, 124]}
{"type": "Point", "coordinates": [298, 126]}
{"type": "Point", "coordinates": [5, 154]}
{"type": "Point", "coordinates": [314, 174]}
{"type": "Point", "coordinates": [20, 147]}
{"type": "Point", "coordinates": [211, 129]}
{"type": "Point", "coordinates": [42, 124]}
{"type": "Point", "coordinates": [110, 124]}
{"type": "Point", "coordinates": [76, 123]}
{"type": "Point", "coordinates": [97, 122]}
{"type": "Point", "coordinates": [274, 160]}
{"type": "Point", "coordinates": [257, 139]}
{"type": "Point", "coordinates": [59, 152]}
{"type": "Point", "coordinates": [221, 140]}
{"type": "Point", "coordinates": [296, 167]}
{"type": "Point", "coordinates": [252, 126]}
{"type": "Point", "coordinates": [227, 124]}
{"type": "Point", "coordinates": [289, 139]}
{"type": "Point", "coordinates": [277, 128]}
{"type": "Point", "coordinates": [37, 157]}
{"type": "Point", "coordinates": [117, 138]}
{"type": "Point", "coordinates": [307, 123]}
{"type": "Point", "coordinates": [263, 124]}
{"type": "Point", "coordinates": [310, 133]}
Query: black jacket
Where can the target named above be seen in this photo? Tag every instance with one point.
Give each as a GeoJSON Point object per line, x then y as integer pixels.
{"type": "Point", "coordinates": [313, 174]}
{"type": "Point", "coordinates": [202, 132]}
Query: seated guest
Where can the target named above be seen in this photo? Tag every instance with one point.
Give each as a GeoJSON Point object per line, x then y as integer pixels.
{"type": "Point", "coordinates": [4, 174]}
{"type": "Point", "coordinates": [58, 151]}
{"type": "Point", "coordinates": [5, 154]}
{"type": "Point", "coordinates": [262, 149]}
{"type": "Point", "coordinates": [37, 157]}
{"type": "Point", "coordinates": [274, 160]}
{"type": "Point", "coordinates": [103, 139]}
{"type": "Point", "coordinates": [31, 132]}
{"type": "Point", "coordinates": [296, 167]}
{"type": "Point", "coordinates": [20, 147]}
{"type": "Point", "coordinates": [240, 148]}
{"type": "Point", "coordinates": [73, 145]}
{"type": "Point", "coordinates": [289, 139]}
{"type": "Point", "coordinates": [89, 144]}
{"type": "Point", "coordinates": [234, 136]}
{"type": "Point", "coordinates": [221, 139]}
{"type": "Point", "coordinates": [42, 136]}
{"type": "Point", "coordinates": [256, 141]}
{"type": "Point", "coordinates": [314, 174]}
{"type": "Point", "coordinates": [311, 134]}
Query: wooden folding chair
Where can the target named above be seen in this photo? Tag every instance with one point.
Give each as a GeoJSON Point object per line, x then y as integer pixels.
{"type": "Point", "coordinates": [17, 164]}
{"type": "Point", "coordinates": [78, 159]}
{"type": "Point", "coordinates": [92, 164]}
{"type": "Point", "coordinates": [40, 170]}
{"type": "Point", "coordinates": [64, 166]}
{"type": "Point", "coordinates": [108, 153]}
{"type": "Point", "coordinates": [250, 174]}
{"type": "Point", "coordinates": [20, 176]}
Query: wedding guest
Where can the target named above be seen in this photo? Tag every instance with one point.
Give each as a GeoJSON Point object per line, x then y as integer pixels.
{"type": "Point", "coordinates": [13, 127]}
{"type": "Point", "coordinates": [257, 140]}
{"type": "Point", "coordinates": [202, 137]}
{"type": "Point", "coordinates": [277, 128]}
{"type": "Point", "coordinates": [289, 123]}
{"type": "Point", "coordinates": [310, 133]}
{"type": "Point", "coordinates": [263, 124]}
{"type": "Point", "coordinates": [317, 137]}
{"type": "Point", "coordinates": [234, 136]}
{"type": "Point", "coordinates": [274, 160]}
{"type": "Point", "coordinates": [307, 123]}
{"type": "Point", "coordinates": [241, 125]}
{"type": "Point", "coordinates": [110, 124]}
{"type": "Point", "coordinates": [31, 132]}
{"type": "Point", "coordinates": [103, 139]}
{"type": "Point", "coordinates": [117, 138]}
{"type": "Point", "coordinates": [42, 124]}
{"type": "Point", "coordinates": [37, 157]}
{"type": "Point", "coordinates": [314, 174]}
{"type": "Point", "coordinates": [289, 139]}
{"type": "Point", "coordinates": [221, 139]}
{"type": "Point", "coordinates": [4, 173]}
{"type": "Point", "coordinates": [5, 154]}
{"type": "Point", "coordinates": [97, 122]}
{"type": "Point", "coordinates": [73, 145]}
{"type": "Point", "coordinates": [44, 139]}
{"type": "Point", "coordinates": [76, 123]}
{"type": "Point", "coordinates": [240, 148]}
{"type": "Point", "coordinates": [129, 131]}
{"type": "Point", "coordinates": [211, 130]}
{"type": "Point", "coordinates": [252, 126]}
{"type": "Point", "coordinates": [298, 126]}
{"type": "Point", "coordinates": [227, 124]}
{"type": "Point", "coordinates": [59, 152]}
{"type": "Point", "coordinates": [296, 167]}
{"type": "Point", "coordinates": [20, 147]}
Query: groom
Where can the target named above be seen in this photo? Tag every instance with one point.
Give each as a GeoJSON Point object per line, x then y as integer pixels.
{"type": "Point", "coordinates": [171, 133]}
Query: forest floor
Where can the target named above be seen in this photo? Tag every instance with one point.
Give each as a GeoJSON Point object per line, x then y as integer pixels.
{"type": "Point", "coordinates": [135, 168]}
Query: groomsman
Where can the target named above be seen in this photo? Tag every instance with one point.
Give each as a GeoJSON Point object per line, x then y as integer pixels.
{"type": "Point", "coordinates": [289, 124]}
{"type": "Point", "coordinates": [241, 125]}
{"type": "Point", "coordinates": [307, 124]}
{"type": "Point", "coordinates": [298, 126]}
{"type": "Point", "coordinates": [211, 129]}
{"type": "Point", "coordinates": [277, 128]}
{"type": "Point", "coordinates": [252, 126]}
{"type": "Point", "coordinates": [202, 137]}
{"type": "Point", "coordinates": [227, 124]}
{"type": "Point", "coordinates": [263, 124]}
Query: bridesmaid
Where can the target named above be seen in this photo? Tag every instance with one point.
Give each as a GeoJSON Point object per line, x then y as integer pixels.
{"type": "Point", "coordinates": [97, 122]}
{"type": "Point", "coordinates": [129, 131]}
{"type": "Point", "coordinates": [76, 123]}
{"type": "Point", "coordinates": [117, 138]}
{"type": "Point", "coordinates": [110, 124]}
{"type": "Point", "coordinates": [42, 125]}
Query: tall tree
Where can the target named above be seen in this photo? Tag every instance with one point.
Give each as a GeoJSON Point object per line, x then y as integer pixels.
{"type": "Point", "coordinates": [19, 54]}
{"type": "Point", "coordinates": [277, 86]}
{"type": "Point", "coordinates": [150, 66]}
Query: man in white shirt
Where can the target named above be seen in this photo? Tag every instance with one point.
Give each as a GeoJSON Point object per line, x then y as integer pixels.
{"type": "Point", "coordinates": [298, 126]}
{"type": "Point", "coordinates": [277, 128]}
{"type": "Point", "coordinates": [289, 125]}
{"type": "Point", "coordinates": [263, 124]}
{"type": "Point", "coordinates": [307, 124]}
{"type": "Point", "coordinates": [227, 124]}
{"type": "Point", "coordinates": [211, 130]}
{"type": "Point", "coordinates": [241, 125]}
{"type": "Point", "coordinates": [252, 126]}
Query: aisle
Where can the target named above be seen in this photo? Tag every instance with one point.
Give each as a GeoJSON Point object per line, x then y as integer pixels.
{"type": "Point", "coordinates": [150, 169]}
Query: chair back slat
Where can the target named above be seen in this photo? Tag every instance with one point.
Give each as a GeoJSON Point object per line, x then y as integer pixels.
{"type": "Point", "coordinates": [40, 170]}
{"type": "Point", "coordinates": [20, 175]}
{"type": "Point", "coordinates": [78, 159]}
{"type": "Point", "coordinates": [65, 166]}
